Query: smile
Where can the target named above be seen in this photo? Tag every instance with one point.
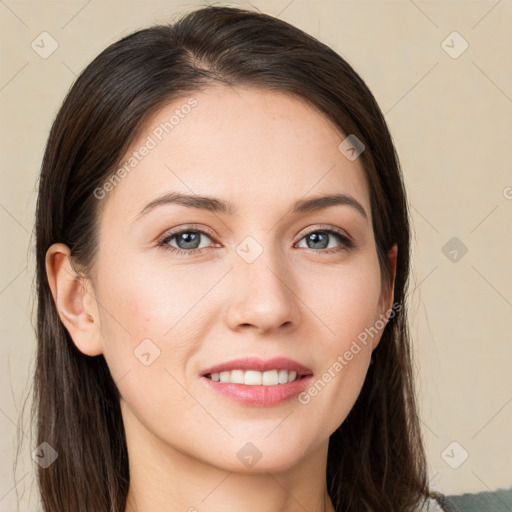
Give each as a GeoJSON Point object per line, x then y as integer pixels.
{"type": "Point", "coordinates": [257, 382]}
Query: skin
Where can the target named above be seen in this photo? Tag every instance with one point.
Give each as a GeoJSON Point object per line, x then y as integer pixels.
{"type": "Point", "coordinates": [262, 151]}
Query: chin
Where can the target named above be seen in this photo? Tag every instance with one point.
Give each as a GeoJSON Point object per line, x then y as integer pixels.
{"type": "Point", "coordinates": [260, 454]}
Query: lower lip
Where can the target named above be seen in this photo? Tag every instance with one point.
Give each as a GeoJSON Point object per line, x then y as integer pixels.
{"type": "Point", "coordinates": [259, 396]}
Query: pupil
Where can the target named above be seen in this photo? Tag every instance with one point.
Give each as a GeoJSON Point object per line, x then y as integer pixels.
{"type": "Point", "coordinates": [189, 238]}
{"type": "Point", "coordinates": [316, 238]}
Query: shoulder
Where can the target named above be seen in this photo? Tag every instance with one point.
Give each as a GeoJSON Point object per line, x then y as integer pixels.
{"type": "Point", "coordinates": [492, 501]}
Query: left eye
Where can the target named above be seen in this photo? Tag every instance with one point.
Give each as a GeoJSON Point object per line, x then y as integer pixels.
{"type": "Point", "coordinates": [319, 238]}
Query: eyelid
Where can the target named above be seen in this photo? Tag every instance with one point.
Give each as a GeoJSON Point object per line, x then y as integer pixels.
{"type": "Point", "coordinates": [326, 227]}
{"type": "Point", "coordinates": [187, 227]}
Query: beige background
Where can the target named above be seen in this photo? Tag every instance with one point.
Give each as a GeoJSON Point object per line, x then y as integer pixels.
{"type": "Point", "coordinates": [451, 119]}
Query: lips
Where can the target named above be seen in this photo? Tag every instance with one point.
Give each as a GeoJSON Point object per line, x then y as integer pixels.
{"type": "Point", "coordinates": [251, 393]}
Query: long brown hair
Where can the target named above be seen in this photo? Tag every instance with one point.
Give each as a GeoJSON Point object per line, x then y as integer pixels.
{"type": "Point", "coordinates": [376, 459]}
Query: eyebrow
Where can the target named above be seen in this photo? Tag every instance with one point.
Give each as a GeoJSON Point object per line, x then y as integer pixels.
{"type": "Point", "coordinates": [216, 205]}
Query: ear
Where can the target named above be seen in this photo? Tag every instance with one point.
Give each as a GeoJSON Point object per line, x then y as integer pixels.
{"type": "Point", "coordinates": [388, 293]}
{"type": "Point", "coordinates": [74, 299]}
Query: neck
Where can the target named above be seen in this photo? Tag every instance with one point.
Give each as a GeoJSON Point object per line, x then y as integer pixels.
{"type": "Point", "coordinates": [165, 479]}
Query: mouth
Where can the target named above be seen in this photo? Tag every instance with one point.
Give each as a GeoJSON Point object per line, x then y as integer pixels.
{"type": "Point", "coordinates": [258, 382]}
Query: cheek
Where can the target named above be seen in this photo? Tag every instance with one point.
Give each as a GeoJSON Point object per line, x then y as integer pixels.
{"type": "Point", "coordinates": [149, 335]}
{"type": "Point", "coordinates": [154, 313]}
{"type": "Point", "coordinates": [346, 302]}
{"type": "Point", "coordinates": [343, 298]}
{"type": "Point", "coordinates": [146, 301]}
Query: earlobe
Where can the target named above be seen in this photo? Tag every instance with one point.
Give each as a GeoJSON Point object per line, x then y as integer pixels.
{"type": "Point", "coordinates": [74, 300]}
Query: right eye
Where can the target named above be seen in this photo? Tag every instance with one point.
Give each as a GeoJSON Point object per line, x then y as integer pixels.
{"type": "Point", "coordinates": [188, 241]}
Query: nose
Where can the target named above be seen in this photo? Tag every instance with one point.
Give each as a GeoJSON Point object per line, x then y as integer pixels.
{"type": "Point", "coordinates": [262, 295]}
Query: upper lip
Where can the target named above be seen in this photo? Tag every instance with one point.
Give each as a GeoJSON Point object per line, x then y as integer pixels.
{"type": "Point", "coordinates": [262, 365]}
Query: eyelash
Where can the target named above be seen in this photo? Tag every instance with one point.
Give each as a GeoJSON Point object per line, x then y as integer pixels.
{"type": "Point", "coordinates": [164, 242]}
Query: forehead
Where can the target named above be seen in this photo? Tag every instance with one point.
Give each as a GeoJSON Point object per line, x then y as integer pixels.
{"type": "Point", "coordinates": [259, 149]}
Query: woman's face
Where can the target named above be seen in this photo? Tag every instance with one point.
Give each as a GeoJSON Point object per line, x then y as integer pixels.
{"type": "Point", "coordinates": [250, 276]}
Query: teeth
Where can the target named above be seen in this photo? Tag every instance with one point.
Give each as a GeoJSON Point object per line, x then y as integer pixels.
{"type": "Point", "coordinates": [283, 376]}
{"type": "Point", "coordinates": [270, 378]}
{"type": "Point", "coordinates": [237, 377]}
{"type": "Point", "coordinates": [255, 378]}
{"type": "Point", "coordinates": [225, 376]}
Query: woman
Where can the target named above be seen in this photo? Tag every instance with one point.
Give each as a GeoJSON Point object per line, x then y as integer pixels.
{"type": "Point", "coordinates": [222, 260]}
